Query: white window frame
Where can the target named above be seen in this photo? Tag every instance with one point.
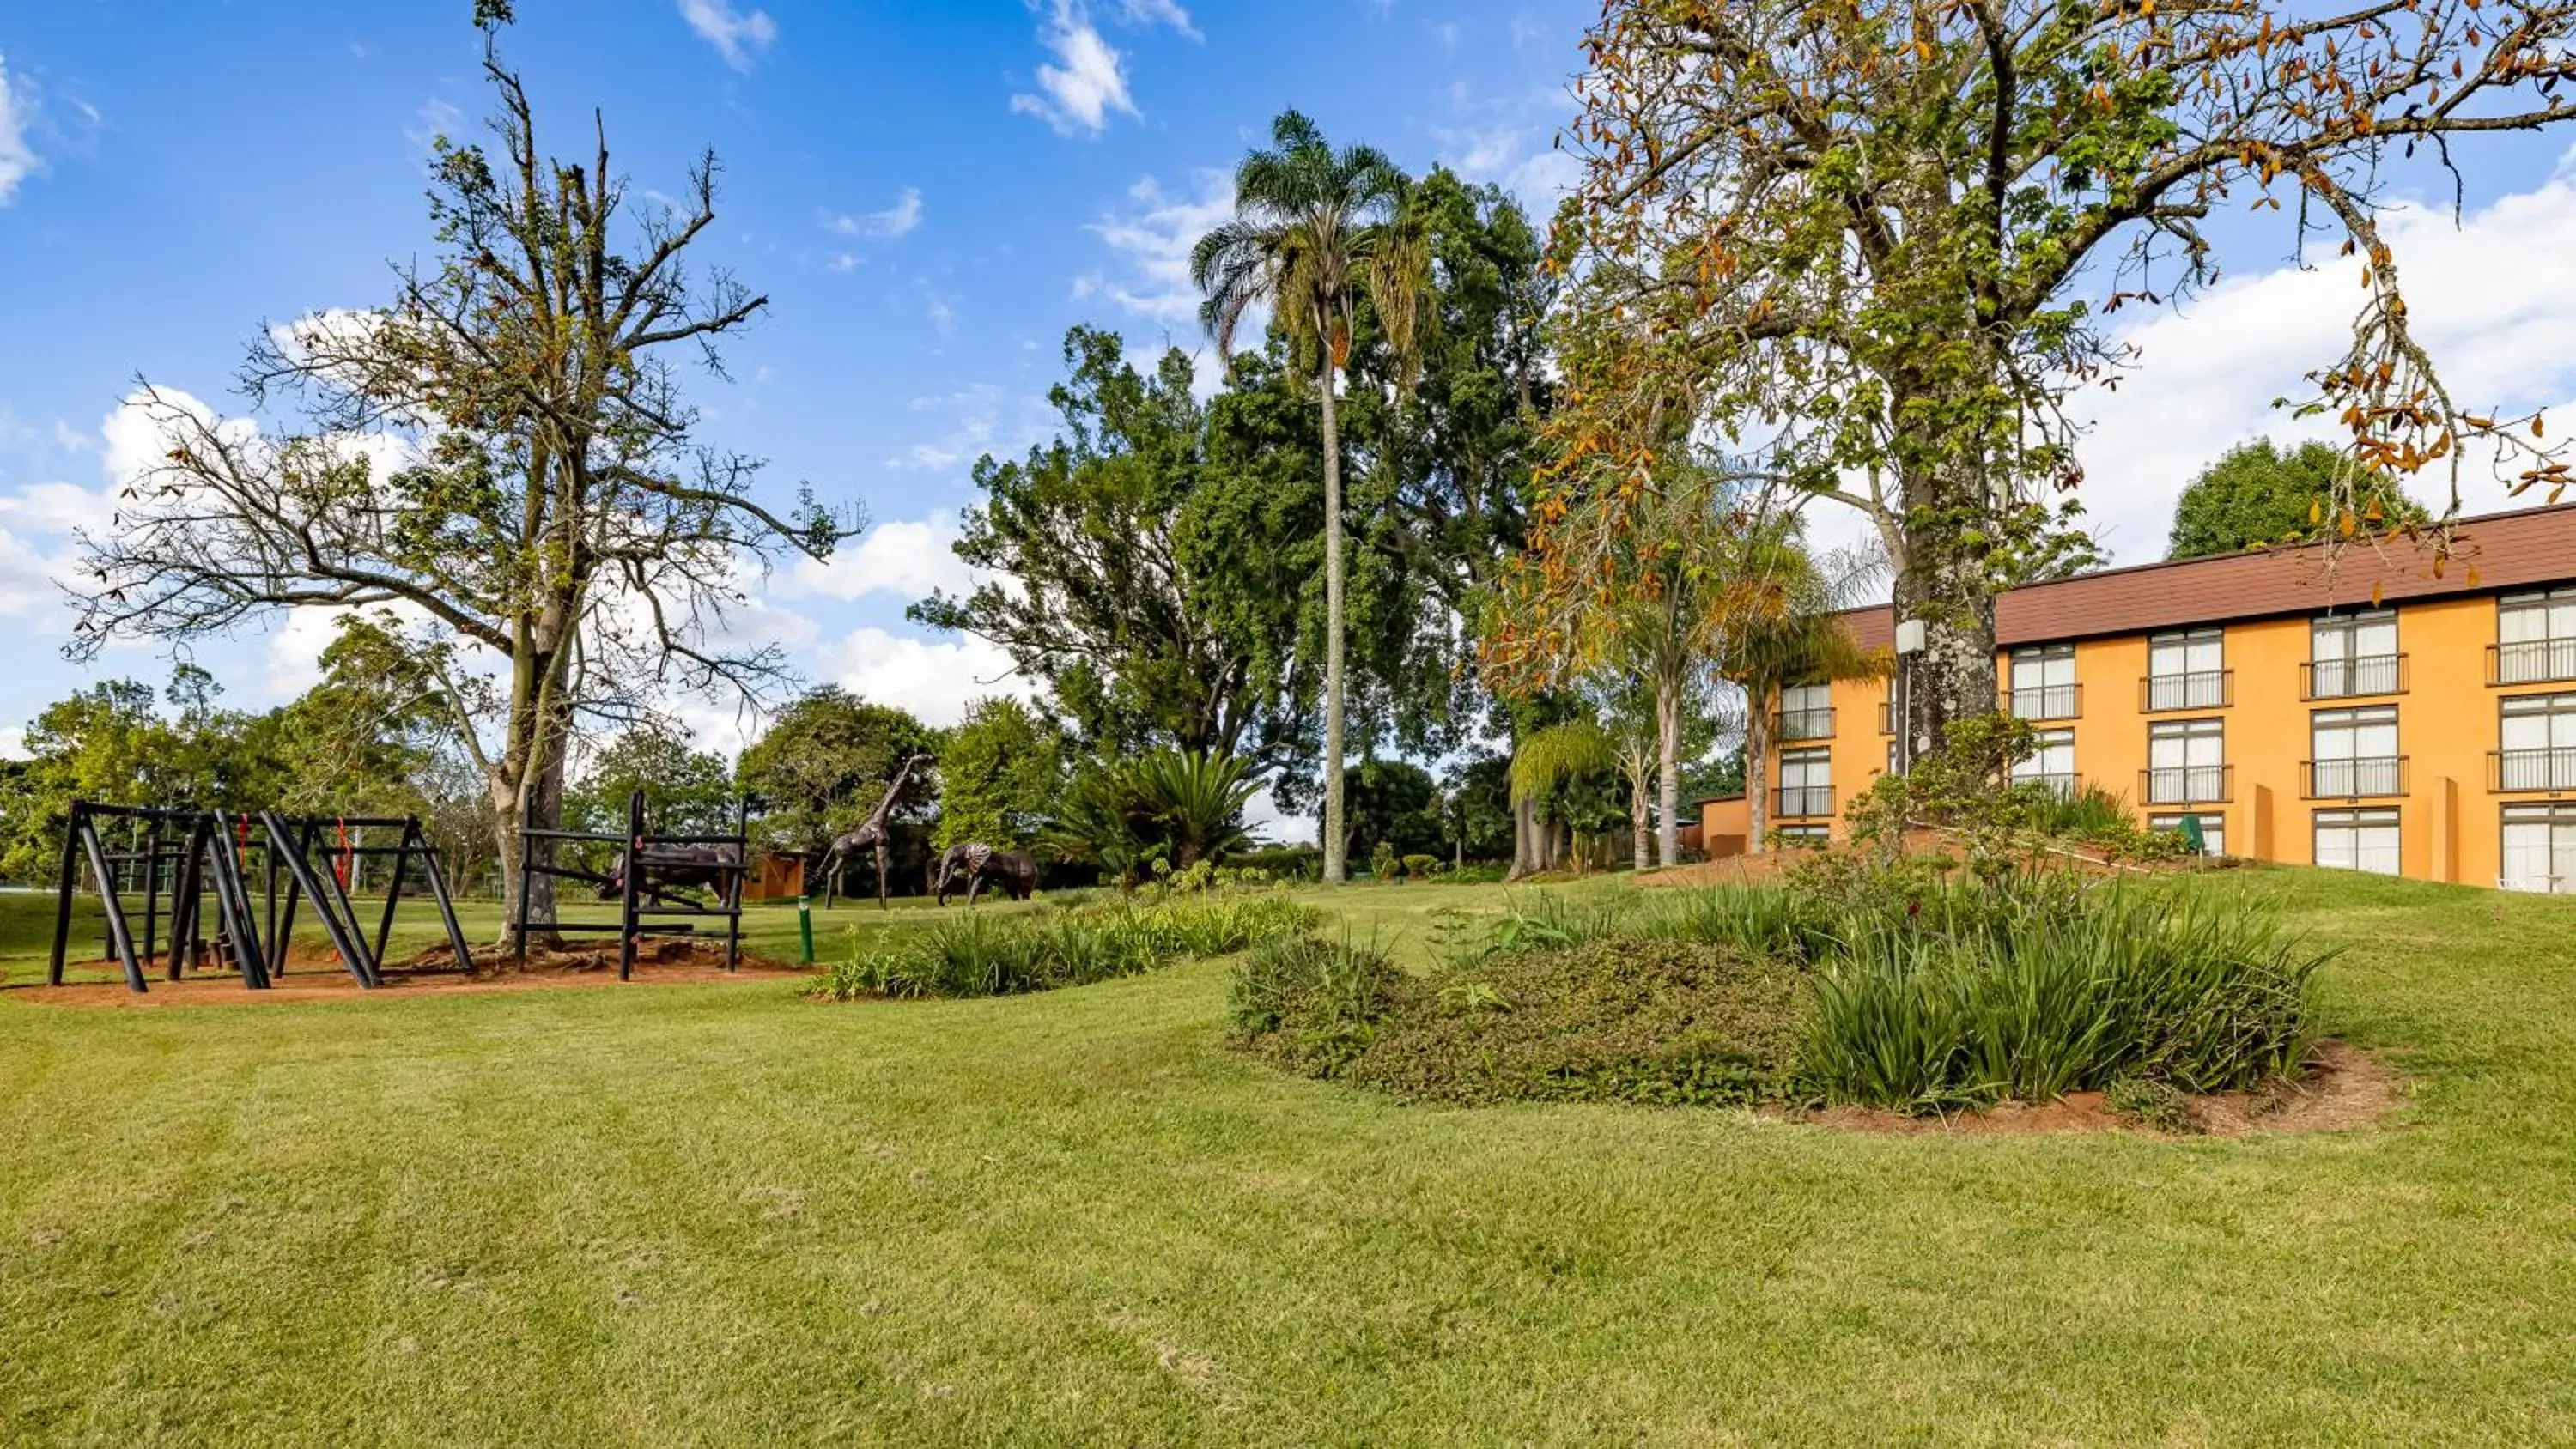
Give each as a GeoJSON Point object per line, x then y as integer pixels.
{"type": "Point", "coordinates": [2043, 682]}
{"type": "Point", "coordinates": [2369, 840]}
{"type": "Point", "coordinates": [2536, 742]}
{"type": "Point", "coordinates": [2545, 865]}
{"type": "Point", "coordinates": [2052, 764]}
{"type": "Point", "coordinates": [1813, 770]}
{"type": "Point", "coordinates": [2213, 828]}
{"type": "Point", "coordinates": [2196, 765]}
{"type": "Point", "coordinates": [2536, 636]}
{"type": "Point", "coordinates": [2353, 752]}
{"type": "Point", "coordinates": [2353, 656]}
{"type": "Point", "coordinates": [2187, 669]}
{"type": "Point", "coordinates": [1813, 706]}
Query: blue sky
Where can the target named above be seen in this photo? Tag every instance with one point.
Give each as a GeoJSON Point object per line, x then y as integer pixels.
{"type": "Point", "coordinates": [929, 194]}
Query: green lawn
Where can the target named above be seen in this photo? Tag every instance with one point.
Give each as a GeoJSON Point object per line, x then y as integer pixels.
{"type": "Point", "coordinates": [719, 1214]}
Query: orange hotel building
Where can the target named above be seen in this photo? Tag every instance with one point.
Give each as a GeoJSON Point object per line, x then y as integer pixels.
{"type": "Point", "coordinates": [2357, 711]}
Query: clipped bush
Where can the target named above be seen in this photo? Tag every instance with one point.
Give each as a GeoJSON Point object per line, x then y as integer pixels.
{"type": "Point", "coordinates": [1664, 1022]}
{"type": "Point", "coordinates": [1421, 867]}
{"type": "Point", "coordinates": [1384, 863]}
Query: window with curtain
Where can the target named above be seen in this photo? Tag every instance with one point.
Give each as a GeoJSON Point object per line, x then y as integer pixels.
{"type": "Point", "coordinates": [2043, 681]}
{"type": "Point", "coordinates": [2353, 654]}
{"type": "Point", "coordinates": [2355, 752]}
{"type": "Point", "coordinates": [2363, 840]}
{"type": "Point", "coordinates": [2187, 670]}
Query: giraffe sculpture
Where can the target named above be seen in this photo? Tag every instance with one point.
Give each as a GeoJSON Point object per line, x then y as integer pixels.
{"type": "Point", "coordinates": [871, 835]}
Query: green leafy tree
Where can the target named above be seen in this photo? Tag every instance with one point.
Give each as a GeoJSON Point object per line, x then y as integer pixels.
{"type": "Point", "coordinates": [1156, 557]}
{"type": "Point", "coordinates": [824, 763]}
{"type": "Point", "coordinates": [2257, 495]}
{"type": "Point", "coordinates": [1875, 244]}
{"type": "Point", "coordinates": [1396, 803]}
{"type": "Point", "coordinates": [687, 791]}
{"type": "Point", "coordinates": [1001, 771]}
{"type": "Point", "coordinates": [1315, 230]}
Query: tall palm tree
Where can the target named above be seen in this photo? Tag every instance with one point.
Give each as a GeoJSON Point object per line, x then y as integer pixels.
{"type": "Point", "coordinates": [1314, 230]}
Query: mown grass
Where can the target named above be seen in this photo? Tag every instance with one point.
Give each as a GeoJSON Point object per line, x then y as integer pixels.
{"type": "Point", "coordinates": [719, 1214]}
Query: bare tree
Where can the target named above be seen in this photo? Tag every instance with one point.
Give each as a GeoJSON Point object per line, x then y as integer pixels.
{"type": "Point", "coordinates": [503, 455]}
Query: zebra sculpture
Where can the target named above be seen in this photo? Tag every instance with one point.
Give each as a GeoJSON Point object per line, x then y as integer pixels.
{"type": "Point", "coordinates": [871, 835]}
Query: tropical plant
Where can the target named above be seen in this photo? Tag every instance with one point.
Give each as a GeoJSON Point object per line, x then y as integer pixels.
{"type": "Point", "coordinates": [1549, 770]}
{"type": "Point", "coordinates": [1168, 809]}
{"type": "Point", "coordinates": [1314, 230]}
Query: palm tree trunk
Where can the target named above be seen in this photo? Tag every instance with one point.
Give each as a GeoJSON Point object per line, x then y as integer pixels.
{"type": "Point", "coordinates": [1335, 841]}
{"type": "Point", "coordinates": [1525, 847]}
{"type": "Point", "coordinates": [1757, 772]}
{"type": "Point", "coordinates": [1641, 828]}
{"type": "Point", "coordinates": [1668, 773]}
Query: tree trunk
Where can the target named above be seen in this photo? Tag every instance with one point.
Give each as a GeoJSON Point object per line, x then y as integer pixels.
{"type": "Point", "coordinates": [1757, 771]}
{"type": "Point", "coordinates": [1525, 842]}
{"type": "Point", "coordinates": [1668, 773]}
{"type": "Point", "coordinates": [1335, 844]}
{"type": "Point", "coordinates": [1953, 675]}
{"type": "Point", "coordinates": [1641, 827]}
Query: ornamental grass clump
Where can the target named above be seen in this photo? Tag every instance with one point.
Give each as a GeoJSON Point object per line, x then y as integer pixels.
{"type": "Point", "coordinates": [1004, 955]}
{"type": "Point", "coordinates": [2038, 985]}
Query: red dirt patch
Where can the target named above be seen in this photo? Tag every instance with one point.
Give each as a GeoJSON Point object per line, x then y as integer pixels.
{"type": "Point", "coordinates": [2346, 1087]}
{"type": "Point", "coordinates": [315, 974]}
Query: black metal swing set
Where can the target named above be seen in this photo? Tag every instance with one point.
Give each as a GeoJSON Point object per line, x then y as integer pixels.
{"type": "Point", "coordinates": [644, 909]}
{"type": "Point", "coordinates": [196, 854]}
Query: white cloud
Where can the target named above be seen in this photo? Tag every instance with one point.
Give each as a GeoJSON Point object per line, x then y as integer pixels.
{"type": "Point", "coordinates": [1159, 12]}
{"type": "Point", "coordinates": [934, 679]}
{"type": "Point", "coordinates": [909, 558]}
{"type": "Point", "coordinates": [58, 508]}
{"type": "Point", "coordinates": [17, 160]}
{"type": "Point", "coordinates": [896, 220]}
{"type": "Point", "coordinates": [980, 419]}
{"type": "Point", "coordinates": [739, 38]}
{"type": "Point", "coordinates": [1090, 83]}
{"type": "Point", "coordinates": [13, 742]}
{"type": "Point", "coordinates": [1153, 241]}
{"type": "Point", "coordinates": [2206, 376]}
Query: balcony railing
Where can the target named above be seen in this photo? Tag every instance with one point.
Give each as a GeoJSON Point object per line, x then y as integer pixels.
{"type": "Point", "coordinates": [2531, 661]}
{"type": "Point", "coordinates": [2048, 701]}
{"type": "Point", "coordinates": [2355, 779]}
{"type": "Point", "coordinates": [1807, 724]}
{"type": "Point", "coordinates": [2540, 769]}
{"type": "Point", "coordinates": [2200, 689]}
{"type": "Point", "coordinates": [1793, 802]}
{"type": "Point", "coordinates": [2187, 784]}
{"type": "Point", "coordinates": [2355, 678]}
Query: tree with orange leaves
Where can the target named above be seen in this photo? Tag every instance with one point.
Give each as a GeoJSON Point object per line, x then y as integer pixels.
{"type": "Point", "coordinates": [1862, 242]}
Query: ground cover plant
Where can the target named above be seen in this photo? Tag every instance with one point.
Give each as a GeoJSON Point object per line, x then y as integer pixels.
{"type": "Point", "coordinates": [719, 1214]}
{"type": "Point", "coordinates": [1896, 984]}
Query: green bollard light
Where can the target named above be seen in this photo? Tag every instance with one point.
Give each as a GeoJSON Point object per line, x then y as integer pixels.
{"type": "Point", "coordinates": [805, 926]}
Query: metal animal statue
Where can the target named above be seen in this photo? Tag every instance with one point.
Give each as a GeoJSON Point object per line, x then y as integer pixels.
{"type": "Point", "coordinates": [670, 867]}
{"type": "Point", "coordinates": [871, 835]}
{"type": "Point", "coordinates": [971, 866]}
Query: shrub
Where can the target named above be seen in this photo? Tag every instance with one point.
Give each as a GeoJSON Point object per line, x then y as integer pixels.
{"type": "Point", "coordinates": [1281, 862]}
{"type": "Point", "coordinates": [1001, 955]}
{"type": "Point", "coordinates": [1312, 1004]}
{"type": "Point", "coordinates": [1662, 1022]}
{"type": "Point", "coordinates": [2035, 985]}
{"type": "Point", "coordinates": [2150, 1103]}
{"type": "Point", "coordinates": [1541, 919]}
{"type": "Point", "coordinates": [1383, 864]}
{"type": "Point", "coordinates": [1421, 867]}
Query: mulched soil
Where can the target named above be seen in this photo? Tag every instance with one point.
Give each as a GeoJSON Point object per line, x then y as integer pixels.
{"type": "Point", "coordinates": [2346, 1087]}
{"type": "Point", "coordinates": [315, 974]}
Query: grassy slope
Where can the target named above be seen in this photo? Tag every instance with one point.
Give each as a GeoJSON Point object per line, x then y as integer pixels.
{"type": "Point", "coordinates": [718, 1214]}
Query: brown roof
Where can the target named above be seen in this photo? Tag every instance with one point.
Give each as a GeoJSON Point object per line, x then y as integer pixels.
{"type": "Point", "coordinates": [2498, 551]}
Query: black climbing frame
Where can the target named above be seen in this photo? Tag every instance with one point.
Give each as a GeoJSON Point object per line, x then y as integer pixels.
{"type": "Point", "coordinates": [191, 855]}
{"type": "Point", "coordinates": [640, 904]}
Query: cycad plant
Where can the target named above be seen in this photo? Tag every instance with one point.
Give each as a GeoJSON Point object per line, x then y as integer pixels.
{"type": "Point", "coordinates": [1170, 805]}
{"type": "Point", "coordinates": [1314, 230]}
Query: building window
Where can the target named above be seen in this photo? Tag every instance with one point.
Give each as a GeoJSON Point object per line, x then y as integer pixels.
{"type": "Point", "coordinates": [2540, 849]}
{"type": "Point", "coordinates": [2358, 840]}
{"type": "Point", "coordinates": [2186, 762]}
{"type": "Point", "coordinates": [2187, 670]}
{"type": "Point", "coordinates": [2356, 753]}
{"type": "Point", "coordinates": [1809, 836]}
{"type": "Point", "coordinates": [1806, 783]}
{"type": "Point", "coordinates": [1807, 712]}
{"type": "Point", "coordinates": [2535, 637]}
{"type": "Point", "coordinates": [2213, 830]}
{"type": "Point", "coordinates": [2043, 682]}
{"type": "Point", "coordinates": [2537, 735]}
{"type": "Point", "coordinates": [2354, 654]}
{"type": "Point", "coordinates": [2052, 764]}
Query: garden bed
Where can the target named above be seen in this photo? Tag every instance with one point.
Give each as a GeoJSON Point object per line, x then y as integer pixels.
{"type": "Point", "coordinates": [318, 976]}
{"type": "Point", "coordinates": [2343, 1087]}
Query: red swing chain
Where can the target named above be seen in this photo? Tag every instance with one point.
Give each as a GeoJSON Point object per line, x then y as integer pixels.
{"type": "Point", "coordinates": [340, 865]}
